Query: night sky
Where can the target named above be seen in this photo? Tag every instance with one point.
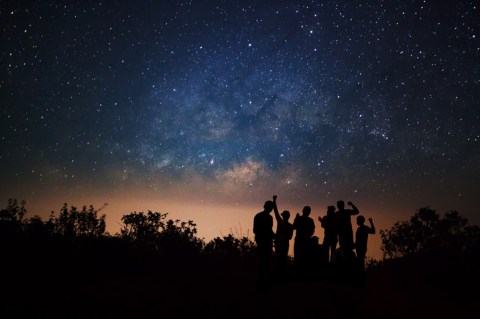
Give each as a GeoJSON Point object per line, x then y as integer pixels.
{"type": "Point", "coordinates": [205, 109]}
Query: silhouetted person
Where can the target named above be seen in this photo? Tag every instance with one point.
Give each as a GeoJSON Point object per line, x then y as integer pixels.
{"type": "Point", "coordinates": [263, 231]}
{"type": "Point", "coordinates": [330, 238]}
{"type": "Point", "coordinates": [282, 237]}
{"type": "Point", "coordinates": [304, 229]}
{"type": "Point", "coordinates": [344, 224]}
{"type": "Point", "coordinates": [361, 239]}
{"type": "Point", "coordinates": [317, 259]}
{"type": "Point", "coordinates": [344, 266]}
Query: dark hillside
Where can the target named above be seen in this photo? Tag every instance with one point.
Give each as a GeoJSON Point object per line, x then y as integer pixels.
{"type": "Point", "coordinates": [440, 286]}
{"type": "Point", "coordinates": [416, 287]}
{"type": "Point", "coordinates": [69, 267]}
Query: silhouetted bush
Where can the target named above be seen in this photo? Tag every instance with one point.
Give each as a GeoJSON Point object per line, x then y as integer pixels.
{"type": "Point", "coordinates": [166, 237]}
{"type": "Point", "coordinates": [427, 232]}
{"type": "Point", "coordinates": [230, 246]}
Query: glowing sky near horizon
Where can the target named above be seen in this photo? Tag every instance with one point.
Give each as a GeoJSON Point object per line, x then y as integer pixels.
{"type": "Point", "coordinates": [204, 107]}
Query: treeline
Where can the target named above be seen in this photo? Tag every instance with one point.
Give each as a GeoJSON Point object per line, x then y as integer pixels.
{"type": "Point", "coordinates": [152, 230]}
{"type": "Point", "coordinates": [154, 235]}
{"type": "Point", "coordinates": [427, 232]}
{"type": "Point", "coordinates": [75, 243]}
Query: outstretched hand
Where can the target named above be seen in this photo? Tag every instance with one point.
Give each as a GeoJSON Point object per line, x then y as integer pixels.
{"type": "Point", "coordinates": [350, 203]}
{"type": "Point", "coordinates": [274, 197]}
{"type": "Point", "coordinates": [370, 220]}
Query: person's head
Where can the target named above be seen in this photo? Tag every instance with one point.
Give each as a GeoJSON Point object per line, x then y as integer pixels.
{"type": "Point", "coordinates": [341, 204]}
{"type": "Point", "coordinates": [268, 206]}
{"type": "Point", "coordinates": [360, 220]}
{"type": "Point", "coordinates": [306, 210]}
{"type": "Point", "coordinates": [330, 210]}
{"type": "Point", "coordinates": [285, 214]}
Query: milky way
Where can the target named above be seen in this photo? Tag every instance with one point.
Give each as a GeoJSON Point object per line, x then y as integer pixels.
{"type": "Point", "coordinates": [318, 99]}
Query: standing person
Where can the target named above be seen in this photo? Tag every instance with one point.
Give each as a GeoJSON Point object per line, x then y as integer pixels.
{"type": "Point", "coordinates": [361, 239]}
{"type": "Point", "coordinates": [317, 263]}
{"type": "Point", "coordinates": [330, 238]}
{"type": "Point", "coordinates": [282, 237]}
{"type": "Point", "coordinates": [304, 229]}
{"type": "Point", "coordinates": [344, 225]}
{"type": "Point", "coordinates": [263, 231]}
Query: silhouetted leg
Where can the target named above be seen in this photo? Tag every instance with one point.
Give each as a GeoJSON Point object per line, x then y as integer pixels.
{"type": "Point", "coordinates": [265, 254]}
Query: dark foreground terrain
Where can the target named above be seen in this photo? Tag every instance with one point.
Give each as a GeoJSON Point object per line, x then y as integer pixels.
{"type": "Point", "coordinates": [72, 287]}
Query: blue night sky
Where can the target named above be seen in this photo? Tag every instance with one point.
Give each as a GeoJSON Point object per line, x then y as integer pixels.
{"type": "Point", "coordinates": [218, 105]}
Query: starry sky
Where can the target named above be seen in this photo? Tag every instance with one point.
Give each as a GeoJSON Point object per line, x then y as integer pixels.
{"type": "Point", "coordinates": [205, 109]}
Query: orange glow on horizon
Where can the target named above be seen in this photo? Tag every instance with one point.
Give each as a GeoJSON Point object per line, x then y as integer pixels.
{"type": "Point", "coordinates": [213, 219]}
{"type": "Point", "coordinates": [218, 211]}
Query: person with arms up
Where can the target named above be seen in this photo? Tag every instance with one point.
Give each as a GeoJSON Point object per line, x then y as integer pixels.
{"type": "Point", "coordinates": [330, 238]}
{"type": "Point", "coordinates": [344, 225]}
{"type": "Point", "coordinates": [361, 239]}
{"type": "Point", "coordinates": [282, 238]}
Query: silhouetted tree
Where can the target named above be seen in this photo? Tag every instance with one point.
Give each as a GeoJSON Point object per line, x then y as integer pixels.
{"type": "Point", "coordinates": [180, 237]}
{"type": "Point", "coordinates": [73, 223]}
{"type": "Point", "coordinates": [142, 227]}
{"type": "Point", "coordinates": [89, 224]}
{"type": "Point", "coordinates": [427, 232]}
{"type": "Point", "coordinates": [154, 231]}
{"type": "Point", "coordinates": [11, 219]}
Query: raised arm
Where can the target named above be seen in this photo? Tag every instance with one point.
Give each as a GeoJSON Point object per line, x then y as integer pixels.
{"type": "Point", "coordinates": [321, 220]}
{"type": "Point", "coordinates": [355, 210]}
{"type": "Point", "coordinates": [372, 226]}
{"type": "Point", "coordinates": [275, 209]}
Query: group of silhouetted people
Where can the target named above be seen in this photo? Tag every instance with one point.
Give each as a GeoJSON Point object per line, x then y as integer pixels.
{"type": "Point", "coordinates": [312, 260]}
